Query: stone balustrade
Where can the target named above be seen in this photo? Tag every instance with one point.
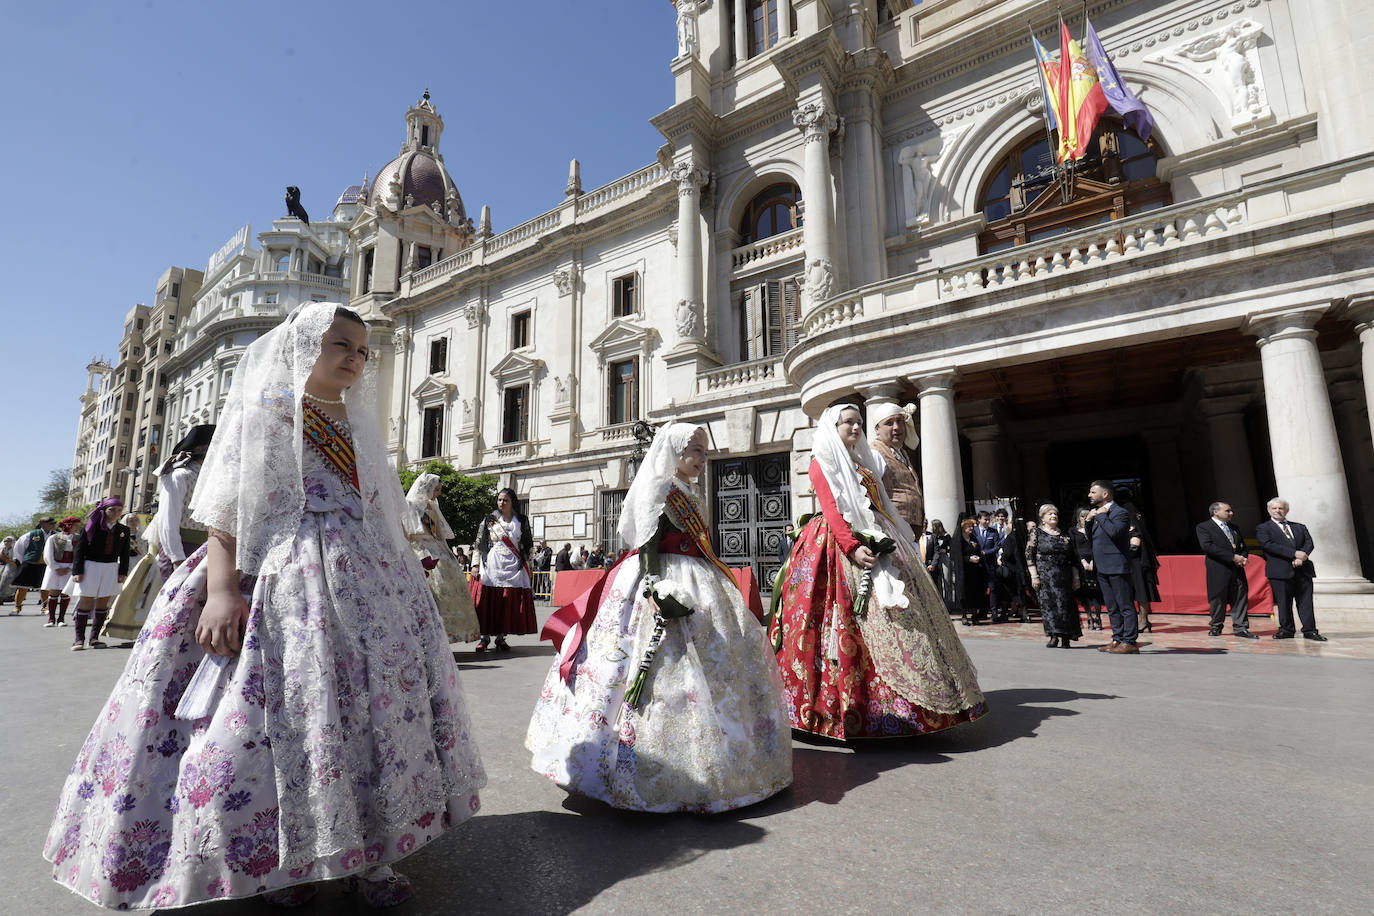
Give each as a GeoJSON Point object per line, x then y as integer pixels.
{"type": "Point", "coordinates": [529, 229]}
{"type": "Point", "coordinates": [832, 314]}
{"type": "Point", "coordinates": [647, 177]}
{"type": "Point", "coordinates": [1086, 248]}
{"type": "Point", "coordinates": [739, 375]}
{"type": "Point", "coordinates": [617, 432]}
{"type": "Point", "coordinates": [766, 251]}
{"type": "Point", "coordinates": [511, 451]}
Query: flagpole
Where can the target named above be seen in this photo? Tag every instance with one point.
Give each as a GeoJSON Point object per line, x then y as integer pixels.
{"type": "Point", "coordinates": [1066, 78]}
{"type": "Point", "coordinates": [1045, 98]}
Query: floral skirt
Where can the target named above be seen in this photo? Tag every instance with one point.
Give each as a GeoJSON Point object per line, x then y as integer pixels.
{"type": "Point", "coordinates": [449, 584]}
{"type": "Point", "coordinates": [895, 672]}
{"type": "Point", "coordinates": [136, 598]}
{"type": "Point", "coordinates": [711, 734]}
{"type": "Point", "coordinates": [338, 738]}
{"type": "Point", "coordinates": [504, 611]}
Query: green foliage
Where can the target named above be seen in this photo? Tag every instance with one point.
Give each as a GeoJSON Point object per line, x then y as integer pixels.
{"type": "Point", "coordinates": [53, 495]}
{"type": "Point", "coordinates": [16, 525]}
{"type": "Point", "coordinates": [464, 500]}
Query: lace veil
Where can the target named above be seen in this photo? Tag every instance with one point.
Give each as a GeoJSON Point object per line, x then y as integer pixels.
{"type": "Point", "coordinates": [418, 501]}
{"type": "Point", "coordinates": [645, 500]}
{"type": "Point", "coordinates": [251, 484]}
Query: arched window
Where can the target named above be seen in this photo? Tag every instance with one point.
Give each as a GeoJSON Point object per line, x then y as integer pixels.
{"type": "Point", "coordinates": [1023, 203]}
{"type": "Point", "coordinates": [773, 211]}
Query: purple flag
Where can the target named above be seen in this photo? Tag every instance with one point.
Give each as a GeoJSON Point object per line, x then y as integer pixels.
{"type": "Point", "coordinates": [1122, 100]}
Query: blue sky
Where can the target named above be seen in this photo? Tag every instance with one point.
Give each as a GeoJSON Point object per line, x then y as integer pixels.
{"type": "Point", "coordinates": [140, 134]}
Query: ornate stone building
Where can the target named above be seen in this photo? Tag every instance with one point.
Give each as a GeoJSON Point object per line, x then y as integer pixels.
{"type": "Point", "coordinates": [856, 201]}
{"type": "Point", "coordinates": [246, 292]}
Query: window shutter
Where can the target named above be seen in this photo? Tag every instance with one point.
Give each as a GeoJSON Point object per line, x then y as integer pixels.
{"type": "Point", "coordinates": [791, 314]}
{"type": "Point", "coordinates": [773, 316]}
{"type": "Point", "coordinates": [755, 309]}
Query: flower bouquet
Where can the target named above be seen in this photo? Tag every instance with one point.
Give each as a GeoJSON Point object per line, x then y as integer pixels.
{"type": "Point", "coordinates": [881, 545]}
{"type": "Point", "coordinates": [674, 600]}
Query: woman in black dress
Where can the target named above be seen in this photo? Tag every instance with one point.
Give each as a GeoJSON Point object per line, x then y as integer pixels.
{"type": "Point", "coordinates": [1053, 566]}
{"type": "Point", "coordinates": [975, 592]}
{"type": "Point", "coordinates": [1089, 592]}
{"type": "Point", "coordinates": [945, 579]}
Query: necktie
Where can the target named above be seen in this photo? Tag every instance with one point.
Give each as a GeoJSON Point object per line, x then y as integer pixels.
{"type": "Point", "coordinates": [921, 543]}
{"type": "Point", "coordinates": [1286, 532]}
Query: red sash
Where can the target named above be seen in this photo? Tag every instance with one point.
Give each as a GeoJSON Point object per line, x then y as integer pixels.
{"type": "Point", "coordinates": [510, 545]}
{"type": "Point", "coordinates": [580, 614]}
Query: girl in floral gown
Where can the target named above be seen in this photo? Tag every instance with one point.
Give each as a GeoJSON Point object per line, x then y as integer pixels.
{"type": "Point", "coordinates": [882, 666]}
{"type": "Point", "coordinates": [326, 734]}
{"type": "Point", "coordinates": [708, 729]}
{"type": "Point", "coordinates": [429, 533]}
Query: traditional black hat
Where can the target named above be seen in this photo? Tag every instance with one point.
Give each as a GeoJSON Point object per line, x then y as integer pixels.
{"type": "Point", "coordinates": [197, 440]}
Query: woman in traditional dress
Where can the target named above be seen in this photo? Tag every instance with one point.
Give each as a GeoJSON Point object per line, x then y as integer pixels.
{"type": "Point", "coordinates": [324, 732]}
{"type": "Point", "coordinates": [1053, 565]}
{"type": "Point", "coordinates": [1089, 592]}
{"type": "Point", "coordinates": [8, 565]}
{"type": "Point", "coordinates": [59, 553]}
{"type": "Point", "coordinates": [865, 645]}
{"type": "Point", "coordinates": [505, 597]}
{"type": "Point", "coordinates": [99, 566]}
{"type": "Point", "coordinates": [664, 696]}
{"type": "Point", "coordinates": [170, 536]}
{"type": "Point", "coordinates": [429, 533]}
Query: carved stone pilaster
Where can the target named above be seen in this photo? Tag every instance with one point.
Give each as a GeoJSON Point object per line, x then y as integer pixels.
{"type": "Point", "coordinates": [475, 313]}
{"type": "Point", "coordinates": [815, 120]}
{"type": "Point", "coordinates": [565, 278]}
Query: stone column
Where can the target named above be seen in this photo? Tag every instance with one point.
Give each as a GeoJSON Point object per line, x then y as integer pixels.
{"type": "Point", "coordinates": [1352, 428]}
{"type": "Point", "coordinates": [816, 120]}
{"type": "Point", "coordinates": [741, 32]}
{"type": "Point", "coordinates": [1361, 310]}
{"type": "Point", "coordinates": [1233, 470]}
{"type": "Point", "coordinates": [1307, 456]}
{"type": "Point", "coordinates": [942, 473]}
{"type": "Point", "coordinates": [1035, 479]}
{"type": "Point", "coordinates": [1172, 517]}
{"type": "Point", "coordinates": [688, 312]}
{"type": "Point", "coordinates": [987, 459]}
{"type": "Point", "coordinates": [784, 19]}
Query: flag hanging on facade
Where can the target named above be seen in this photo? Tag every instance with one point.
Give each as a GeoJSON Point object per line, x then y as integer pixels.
{"type": "Point", "coordinates": [1048, 69]}
{"type": "Point", "coordinates": [1081, 100]}
{"type": "Point", "coordinates": [1122, 100]}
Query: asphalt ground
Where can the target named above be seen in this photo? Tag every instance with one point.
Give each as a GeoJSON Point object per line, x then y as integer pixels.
{"type": "Point", "coordinates": [1206, 775]}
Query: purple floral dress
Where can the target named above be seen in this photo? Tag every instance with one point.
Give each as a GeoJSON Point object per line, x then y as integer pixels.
{"type": "Point", "coordinates": [340, 738]}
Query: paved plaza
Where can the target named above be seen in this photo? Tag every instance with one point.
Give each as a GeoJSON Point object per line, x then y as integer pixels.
{"type": "Point", "coordinates": [1203, 776]}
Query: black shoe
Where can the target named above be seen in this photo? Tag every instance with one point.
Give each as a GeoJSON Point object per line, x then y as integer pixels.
{"type": "Point", "coordinates": [1054, 641]}
{"type": "Point", "coordinates": [1245, 634]}
{"type": "Point", "coordinates": [1315, 636]}
{"type": "Point", "coordinates": [1283, 634]}
{"type": "Point", "coordinates": [1215, 631]}
{"type": "Point", "coordinates": [502, 645]}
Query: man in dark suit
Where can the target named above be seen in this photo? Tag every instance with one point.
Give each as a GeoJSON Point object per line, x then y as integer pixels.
{"type": "Point", "coordinates": [1109, 528]}
{"type": "Point", "coordinates": [989, 543]}
{"type": "Point", "coordinates": [1226, 556]}
{"type": "Point", "coordinates": [1287, 546]}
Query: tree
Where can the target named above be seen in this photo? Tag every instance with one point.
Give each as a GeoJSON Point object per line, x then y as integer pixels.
{"type": "Point", "coordinates": [53, 495]}
{"type": "Point", "coordinates": [464, 500]}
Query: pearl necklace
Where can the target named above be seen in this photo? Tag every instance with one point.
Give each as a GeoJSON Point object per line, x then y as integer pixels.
{"type": "Point", "coordinates": [319, 400]}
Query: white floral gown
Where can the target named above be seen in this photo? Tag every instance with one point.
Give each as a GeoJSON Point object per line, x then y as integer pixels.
{"type": "Point", "coordinates": [340, 740]}
{"type": "Point", "coordinates": [713, 732]}
{"type": "Point", "coordinates": [448, 582]}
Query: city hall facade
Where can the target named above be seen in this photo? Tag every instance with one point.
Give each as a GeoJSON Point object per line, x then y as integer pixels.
{"type": "Point", "coordinates": [856, 201]}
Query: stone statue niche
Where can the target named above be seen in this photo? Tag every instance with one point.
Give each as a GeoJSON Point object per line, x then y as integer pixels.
{"type": "Point", "coordinates": [293, 205]}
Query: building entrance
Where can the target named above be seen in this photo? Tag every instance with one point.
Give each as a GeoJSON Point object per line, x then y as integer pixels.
{"type": "Point", "coordinates": [753, 502]}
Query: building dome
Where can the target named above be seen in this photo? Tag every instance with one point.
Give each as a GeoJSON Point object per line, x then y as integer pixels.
{"type": "Point", "coordinates": [424, 181]}
{"type": "Point", "coordinates": [417, 177]}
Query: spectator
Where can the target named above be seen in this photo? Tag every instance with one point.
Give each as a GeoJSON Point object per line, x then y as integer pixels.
{"type": "Point", "coordinates": [563, 562]}
{"type": "Point", "coordinates": [1054, 576]}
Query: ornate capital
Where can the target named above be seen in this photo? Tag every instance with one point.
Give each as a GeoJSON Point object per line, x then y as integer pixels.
{"type": "Point", "coordinates": [689, 177]}
{"type": "Point", "coordinates": [474, 313]}
{"type": "Point", "coordinates": [815, 120]}
{"type": "Point", "coordinates": [400, 338]}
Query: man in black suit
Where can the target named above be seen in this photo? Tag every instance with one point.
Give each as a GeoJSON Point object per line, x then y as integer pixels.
{"type": "Point", "coordinates": [1226, 556]}
{"type": "Point", "coordinates": [989, 544]}
{"type": "Point", "coordinates": [1109, 528]}
{"type": "Point", "coordinates": [1287, 546]}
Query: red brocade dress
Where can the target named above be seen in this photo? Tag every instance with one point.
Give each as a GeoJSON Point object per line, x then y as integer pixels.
{"type": "Point", "coordinates": [895, 672]}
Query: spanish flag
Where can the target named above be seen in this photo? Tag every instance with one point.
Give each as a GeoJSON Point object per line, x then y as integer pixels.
{"type": "Point", "coordinates": [1081, 100]}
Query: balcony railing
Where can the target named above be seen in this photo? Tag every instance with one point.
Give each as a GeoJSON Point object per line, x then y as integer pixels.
{"type": "Point", "coordinates": [766, 251]}
{"type": "Point", "coordinates": [741, 375]}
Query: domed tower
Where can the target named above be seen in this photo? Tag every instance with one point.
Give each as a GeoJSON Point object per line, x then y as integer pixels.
{"type": "Point", "coordinates": [412, 215]}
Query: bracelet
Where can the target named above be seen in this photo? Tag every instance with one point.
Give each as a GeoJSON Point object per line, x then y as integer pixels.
{"type": "Point", "coordinates": [649, 582]}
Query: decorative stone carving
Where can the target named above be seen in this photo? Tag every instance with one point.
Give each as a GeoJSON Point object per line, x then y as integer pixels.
{"type": "Point", "coordinates": [562, 389]}
{"type": "Point", "coordinates": [672, 235]}
{"type": "Point", "coordinates": [1227, 60]}
{"type": "Point", "coordinates": [565, 278]}
{"type": "Point", "coordinates": [820, 277]}
{"type": "Point", "coordinates": [469, 406]}
{"type": "Point", "coordinates": [815, 120]}
{"type": "Point", "coordinates": [475, 312]}
{"type": "Point", "coordinates": [687, 42]}
{"type": "Point", "coordinates": [395, 429]}
{"type": "Point", "coordinates": [400, 338]}
{"type": "Point", "coordinates": [685, 317]}
{"type": "Point", "coordinates": [920, 174]}
{"type": "Point", "coordinates": [689, 177]}
{"type": "Point", "coordinates": [574, 186]}
{"type": "Point", "coordinates": [484, 227]}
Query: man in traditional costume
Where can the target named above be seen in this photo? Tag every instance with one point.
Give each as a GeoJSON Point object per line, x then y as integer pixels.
{"type": "Point", "coordinates": [28, 550]}
{"type": "Point", "coordinates": [894, 440]}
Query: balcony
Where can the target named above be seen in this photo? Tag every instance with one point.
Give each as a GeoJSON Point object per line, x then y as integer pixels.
{"type": "Point", "coordinates": [727, 379]}
{"type": "Point", "coordinates": [767, 252]}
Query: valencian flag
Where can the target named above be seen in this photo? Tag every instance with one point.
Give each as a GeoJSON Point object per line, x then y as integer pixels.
{"type": "Point", "coordinates": [1081, 99]}
{"type": "Point", "coordinates": [1048, 68]}
{"type": "Point", "coordinates": [1122, 100]}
